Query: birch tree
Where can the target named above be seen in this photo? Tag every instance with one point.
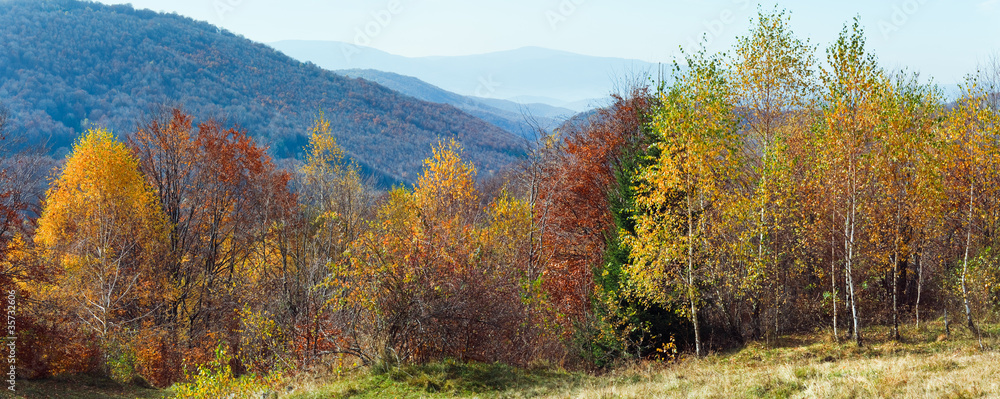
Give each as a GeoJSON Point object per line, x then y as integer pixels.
{"type": "Point", "coordinates": [695, 130]}
{"type": "Point", "coordinates": [852, 86]}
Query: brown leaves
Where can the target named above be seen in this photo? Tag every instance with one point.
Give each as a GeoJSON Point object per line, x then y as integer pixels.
{"type": "Point", "coordinates": [224, 200]}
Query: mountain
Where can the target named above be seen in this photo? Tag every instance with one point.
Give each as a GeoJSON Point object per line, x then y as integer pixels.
{"type": "Point", "coordinates": [68, 65]}
{"type": "Point", "coordinates": [532, 107]}
{"type": "Point", "coordinates": [520, 119]}
{"type": "Point", "coordinates": [554, 77]}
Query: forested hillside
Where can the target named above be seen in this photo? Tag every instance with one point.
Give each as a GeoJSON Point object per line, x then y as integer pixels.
{"type": "Point", "coordinates": [68, 66]}
{"type": "Point", "coordinates": [758, 197]}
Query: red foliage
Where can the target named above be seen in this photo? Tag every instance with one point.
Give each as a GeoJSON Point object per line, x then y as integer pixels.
{"type": "Point", "coordinates": [574, 192]}
{"type": "Point", "coordinates": [222, 196]}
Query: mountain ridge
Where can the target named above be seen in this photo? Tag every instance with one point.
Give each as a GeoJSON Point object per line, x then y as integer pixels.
{"type": "Point", "coordinates": [559, 76]}
{"type": "Point", "coordinates": [64, 73]}
{"type": "Point", "coordinates": [521, 119]}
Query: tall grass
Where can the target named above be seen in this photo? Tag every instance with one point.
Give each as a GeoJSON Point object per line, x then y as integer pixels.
{"type": "Point", "coordinates": [923, 364]}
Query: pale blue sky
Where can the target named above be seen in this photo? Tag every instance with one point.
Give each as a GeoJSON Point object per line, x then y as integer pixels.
{"type": "Point", "coordinates": [941, 39]}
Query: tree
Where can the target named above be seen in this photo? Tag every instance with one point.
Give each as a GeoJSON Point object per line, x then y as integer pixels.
{"type": "Point", "coordinates": [437, 276]}
{"type": "Point", "coordinates": [11, 202]}
{"type": "Point", "coordinates": [905, 170]}
{"type": "Point", "coordinates": [224, 199]}
{"type": "Point", "coordinates": [575, 193]}
{"type": "Point", "coordinates": [167, 158]}
{"type": "Point", "coordinates": [852, 85]}
{"type": "Point", "coordinates": [695, 131]}
{"type": "Point", "coordinates": [334, 203]}
{"type": "Point", "coordinates": [102, 224]}
{"type": "Point", "coordinates": [971, 175]}
{"type": "Point", "coordinates": [771, 73]}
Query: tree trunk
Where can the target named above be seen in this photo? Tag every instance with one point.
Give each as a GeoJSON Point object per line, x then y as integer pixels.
{"type": "Point", "coordinates": [895, 273]}
{"type": "Point", "coordinates": [833, 274]}
{"type": "Point", "coordinates": [849, 243]}
{"type": "Point", "coordinates": [895, 295]}
{"type": "Point", "coordinates": [847, 305]}
{"type": "Point", "coordinates": [947, 327]}
{"type": "Point", "coordinates": [965, 270]}
{"type": "Point", "coordinates": [760, 262]}
{"type": "Point", "coordinates": [920, 283]}
{"type": "Point", "coordinates": [690, 277]}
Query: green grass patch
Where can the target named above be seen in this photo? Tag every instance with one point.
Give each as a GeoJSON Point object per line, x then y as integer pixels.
{"type": "Point", "coordinates": [777, 388]}
{"type": "Point", "coordinates": [448, 378]}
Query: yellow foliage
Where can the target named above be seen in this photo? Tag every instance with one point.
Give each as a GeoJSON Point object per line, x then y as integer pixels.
{"type": "Point", "coordinates": [447, 184]}
{"type": "Point", "coordinates": [103, 225]}
{"type": "Point", "coordinates": [216, 380]}
{"type": "Point", "coordinates": [695, 131]}
{"type": "Point", "coordinates": [323, 155]}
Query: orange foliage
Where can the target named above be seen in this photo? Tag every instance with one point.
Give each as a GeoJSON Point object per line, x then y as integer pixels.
{"type": "Point", "coordinates": [574, 201]}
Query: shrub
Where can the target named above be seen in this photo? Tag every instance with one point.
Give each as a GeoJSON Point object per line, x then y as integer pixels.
{"type": "Point", "coordinates": [216, 380]}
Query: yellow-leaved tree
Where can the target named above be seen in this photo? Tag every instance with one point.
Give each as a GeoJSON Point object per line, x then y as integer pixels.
{"type": "Point", "coordinates": [437, 275]}
{"type": "Point", "coordinates": [970, 169]}
{"type": "Point", "coordinates": [333, 204]}
{"type": "Point", "coordinates": [397, 292]}
{"type": "Point", "coordinates": [854, 88]}
{"type": "Point", "coordinates": [773, 82]}
{"type": "Point", "coordinates": [102, 226]}
{"type": "Point", "coordinates": [676, 195]}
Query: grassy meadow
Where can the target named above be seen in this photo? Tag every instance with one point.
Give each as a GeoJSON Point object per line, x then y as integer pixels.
{"type": "Point", "coordinates": [924, 364]}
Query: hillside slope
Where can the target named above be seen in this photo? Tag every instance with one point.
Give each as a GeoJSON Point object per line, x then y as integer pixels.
{"type": "Point", "coordinates": [521, 120]}
{"type": "Point", "coordinates": [69, 65]}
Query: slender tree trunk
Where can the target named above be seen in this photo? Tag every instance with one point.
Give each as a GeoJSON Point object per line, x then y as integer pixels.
{"type": "Point", "coordinates": [847, 299]}
{"type": "Point", "coordinates": [755, 313]}
{"type": "Point", "coordinates": [895, 300]}
{"type": "Point", "coordinates": [895, 273]}
{"type": "Point", "coordinates": [920, 282]}
{"type": "Point", "coordinates": [777, 313]}
{"type": "Point", "coordinates": [833, 272]}
{"type": "Point", "coordinates": [965, 270]}
{"type": "Point", "coordinates": [760, 242]}
{"type": "Point", "coordinates": [850, 271]}
{"type": "Point", "coordinates": [690, 277]}
{"type": "Point", "coordinates": [947, 327]}
{"type": "Point", "coordinates": [760, 257]}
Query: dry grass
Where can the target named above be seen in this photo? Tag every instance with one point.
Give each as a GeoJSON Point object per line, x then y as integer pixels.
{"type": "Point", "coordinates": [803, 366]}
{"type": "Point", "coordinates": [911, 376]}
{"type": "Point", "coordinates": [918, 367]}
{"type": "Point", "coordinates": [79, 387]}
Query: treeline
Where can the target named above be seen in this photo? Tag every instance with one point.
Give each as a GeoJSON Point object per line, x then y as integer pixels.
{"type": "Point", "coordinates": [760, 193]}
{"type": "Point", "coordinates": [764, 193]}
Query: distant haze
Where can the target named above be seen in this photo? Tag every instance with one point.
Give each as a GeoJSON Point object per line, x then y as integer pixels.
{"type": "Point", "coordinates": [941, 39]}
{"type": "Point", "coordinates": [527, 75]}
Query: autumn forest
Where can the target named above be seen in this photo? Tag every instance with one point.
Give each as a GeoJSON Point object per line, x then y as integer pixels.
{"type": "Point", "coordinates": [773, 189]}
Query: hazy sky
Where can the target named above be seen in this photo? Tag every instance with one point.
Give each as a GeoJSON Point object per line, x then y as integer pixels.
{"type": "Point", "coordinates": [941, 39]}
